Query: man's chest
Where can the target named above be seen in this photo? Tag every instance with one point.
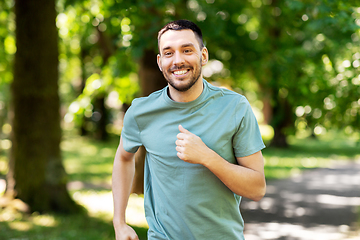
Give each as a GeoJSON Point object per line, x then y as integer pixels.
{"type": "Point", "coordinates": [215, 129]}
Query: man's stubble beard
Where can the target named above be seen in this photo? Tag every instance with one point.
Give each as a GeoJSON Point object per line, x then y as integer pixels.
{"type": "Point", "coordinates": [191, 83]}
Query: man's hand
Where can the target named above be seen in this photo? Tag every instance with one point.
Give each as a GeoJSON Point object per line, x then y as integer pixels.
{"type": "Point", "coordinates": [190, 148]}
{"type": "Point", "coordinates": [125, 232]}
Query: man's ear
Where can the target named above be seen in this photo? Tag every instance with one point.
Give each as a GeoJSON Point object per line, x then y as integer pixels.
{"type": "Point", "coordinates": [205, 56]}
{"type": "Point", "coordinates": [159, 61]}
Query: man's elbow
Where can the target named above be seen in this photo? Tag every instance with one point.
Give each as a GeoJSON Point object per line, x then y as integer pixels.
{"type": "Point", "coordinates": [258, 197]}
{"type": "Point", "coordinates": [259, 193]}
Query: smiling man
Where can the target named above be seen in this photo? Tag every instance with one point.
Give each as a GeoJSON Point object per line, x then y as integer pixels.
{"type": "Point", "coordinates": [203, 149]}
{"type": "Point", "coordinates": [181, 59]}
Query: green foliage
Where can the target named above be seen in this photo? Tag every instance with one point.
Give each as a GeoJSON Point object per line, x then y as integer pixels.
{"type": "Point", "coordinates": [7, 50]}
{"type": "Point", "coordinates": [295, 50]}
{"type": "Point", "coordinates": [300, 54]}
{"type": "Point", "coordinates": [96, 61]}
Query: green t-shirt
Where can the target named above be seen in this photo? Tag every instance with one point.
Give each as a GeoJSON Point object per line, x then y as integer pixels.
{"type": "Point", "coordinates": [184, 200]}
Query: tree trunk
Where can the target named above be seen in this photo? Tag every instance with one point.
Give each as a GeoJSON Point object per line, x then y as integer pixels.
{"type": "Point", "coordinates": [100, 118]}
{"type": "Point", "coordinates": [83, 54]}
{"type": "Point", "coordinates": [267, 109]}
{"type": "Point", "coordinates": [99, 100]}
{"type": "Point", "coordinates": [36, 174]}
{"type": "Point", "coordinates": [277, 110]}
{"type": "Point", "coordinates": [151, 79]}
{"type": "Point", "coordinates": [282, 119]}
{"type": "Point", "coordinates": [279, 139]}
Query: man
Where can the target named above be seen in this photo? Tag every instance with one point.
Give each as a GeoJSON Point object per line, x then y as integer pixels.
{"type": "Point", "coordinates": [203, 149]}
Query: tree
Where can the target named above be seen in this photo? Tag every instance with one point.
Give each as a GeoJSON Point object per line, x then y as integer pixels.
{"type": "Point", "coordinates": [273, 50]}
{"type": "Point", "coordinates": [36, 173]}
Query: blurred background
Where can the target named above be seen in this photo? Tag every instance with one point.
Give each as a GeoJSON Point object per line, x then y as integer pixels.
{"type": "Point", "coordinates": [69, 69]}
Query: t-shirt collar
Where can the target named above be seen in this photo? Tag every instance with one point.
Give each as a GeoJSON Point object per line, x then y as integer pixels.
{"type": "Point", "coordinates": [195, 102]}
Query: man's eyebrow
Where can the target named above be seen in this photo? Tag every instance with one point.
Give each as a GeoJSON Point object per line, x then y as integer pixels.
{"type": "Point", "coordinates": [166, 48]}
{"type": "Point", "coordinates": [188, 45]}
{"type": "Point", "coordinates": [182, 46]}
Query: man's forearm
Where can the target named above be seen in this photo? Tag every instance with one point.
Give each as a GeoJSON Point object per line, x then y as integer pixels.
{"type": "Point", "coordinates": [242, 180]}
{"type": "Point", "coordinates": [122, 178]}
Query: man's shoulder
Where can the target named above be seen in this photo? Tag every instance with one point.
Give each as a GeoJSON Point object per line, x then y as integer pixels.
{"type": "Point", "coordinates": [144, 106]}
{"type": "Point", "coordinates": [150, 99]}
{"type": "Point", "coordinates": [226, 93]}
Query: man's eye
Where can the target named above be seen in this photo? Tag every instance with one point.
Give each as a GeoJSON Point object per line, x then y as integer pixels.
{"type": "Point", "coordinates": [187, 51]}
{"type": "Point", "coordinates": [168, 54]}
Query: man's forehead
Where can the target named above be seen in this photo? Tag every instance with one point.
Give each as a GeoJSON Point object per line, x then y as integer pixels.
{"type": "Point", "coordinates": [177, 37]}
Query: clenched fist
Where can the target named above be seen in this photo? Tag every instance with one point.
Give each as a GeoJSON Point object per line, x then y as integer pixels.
{"type": "Point", "coordinates": [190, 148]}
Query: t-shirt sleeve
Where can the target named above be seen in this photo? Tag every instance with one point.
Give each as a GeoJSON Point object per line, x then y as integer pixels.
{"type": "Point", "coordinates": [130, 133]}
{"type": "Point", "coordinates": [247, 139]}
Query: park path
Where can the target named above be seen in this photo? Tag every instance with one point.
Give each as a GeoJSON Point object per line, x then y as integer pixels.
{"type": "Point", "coordinates": [319, 204]}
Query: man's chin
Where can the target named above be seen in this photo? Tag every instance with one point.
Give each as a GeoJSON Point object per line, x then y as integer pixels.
{"type": "Point", "coordinates": [182, 85]}
{"type": "Point", "coordinates": [182, 88]}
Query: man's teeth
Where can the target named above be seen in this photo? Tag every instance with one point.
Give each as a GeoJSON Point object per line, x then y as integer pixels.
{"type": "Point", "coordinates": [180, 72]}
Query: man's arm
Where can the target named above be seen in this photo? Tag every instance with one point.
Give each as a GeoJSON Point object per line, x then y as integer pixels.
{"type": "Point", "coordinates": [246, 179]}
{"type": "Point", "coordinates": [122, 178]}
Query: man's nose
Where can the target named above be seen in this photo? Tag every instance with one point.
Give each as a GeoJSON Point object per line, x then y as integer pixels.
{"type": "Point", "coordinates": [178, 58]}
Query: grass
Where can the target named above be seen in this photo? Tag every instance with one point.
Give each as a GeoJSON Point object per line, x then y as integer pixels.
{"type": "Point", "coordinates": [88, 160]}
{"type": "Point", "coordinates": [89, 165]}
{"type": "Point", "coordinates": [56, 227]}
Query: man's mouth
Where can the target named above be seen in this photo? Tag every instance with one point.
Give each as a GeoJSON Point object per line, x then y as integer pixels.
{"type": "Point", "coordinates": [180, 72]}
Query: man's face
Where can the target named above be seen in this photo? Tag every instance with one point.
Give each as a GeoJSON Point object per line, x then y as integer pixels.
{"type": "Point", "coordinates": [181, 58]}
